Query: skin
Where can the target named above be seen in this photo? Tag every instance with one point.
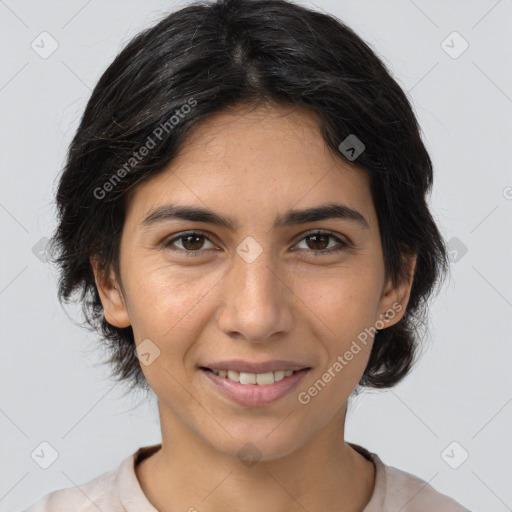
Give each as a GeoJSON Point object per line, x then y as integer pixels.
{"type": "Point", "coordinates": [253, 165]}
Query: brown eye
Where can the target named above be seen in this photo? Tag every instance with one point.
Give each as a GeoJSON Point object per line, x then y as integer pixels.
{"type": "Point", "coordinates": [318, 243]}
{"type": "Point", "coordinates": [191, 243]}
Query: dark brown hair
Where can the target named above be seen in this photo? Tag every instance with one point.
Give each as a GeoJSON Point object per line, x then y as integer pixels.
{"type": "Point", "coordinates": [200, 60]}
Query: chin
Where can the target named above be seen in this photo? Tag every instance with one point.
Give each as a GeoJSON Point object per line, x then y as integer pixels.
{"type": "Point", "coordinates": [262, 446]}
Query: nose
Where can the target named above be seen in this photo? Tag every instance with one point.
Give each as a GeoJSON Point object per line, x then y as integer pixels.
{"type": "Point", "coordinates": [257, 300]}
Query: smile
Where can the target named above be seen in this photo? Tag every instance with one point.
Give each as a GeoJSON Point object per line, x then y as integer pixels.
{"type": "Point", "coordinates": [262, 379]}
{"type": "Point", "coordinates": [254, 389]}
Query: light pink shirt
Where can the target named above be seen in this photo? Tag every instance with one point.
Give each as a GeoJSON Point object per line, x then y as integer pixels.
{"type": "Point", "coordinates": [119, 491]}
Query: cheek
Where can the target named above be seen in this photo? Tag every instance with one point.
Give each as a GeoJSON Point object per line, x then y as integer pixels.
{"type": "Point", "coordinates": [165, 301]}
{"type": "Point", "coordinates": [347, 308]}
{"type": "Point", "coordinates": [345, 300]}
{"type": "Point", "coordinates": [165, 308]}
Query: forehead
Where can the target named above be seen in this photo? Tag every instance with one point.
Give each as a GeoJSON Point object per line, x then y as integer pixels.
{"type": "Point", "coordinates": [256, 160]}
{"type": "Point", "coordinates": [246, 137]}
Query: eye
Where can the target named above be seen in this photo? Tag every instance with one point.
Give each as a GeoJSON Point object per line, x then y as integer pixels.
{"type": "Point", "coordinates": [191, 243]}
{"type": "Point", "coordinates": [319, 240]}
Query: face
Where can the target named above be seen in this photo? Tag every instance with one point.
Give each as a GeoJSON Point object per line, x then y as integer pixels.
{"type": "Point", "coordinates": [265, 285]}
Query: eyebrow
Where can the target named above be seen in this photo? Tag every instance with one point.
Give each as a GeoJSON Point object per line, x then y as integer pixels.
{"type": "Point", "coordinates": [290, 218]}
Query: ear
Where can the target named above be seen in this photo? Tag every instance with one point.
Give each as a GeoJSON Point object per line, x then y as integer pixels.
{"type": "Point", "coordinates": [111, 296]}
{"type": "Point", "coordinates": [395, 296]}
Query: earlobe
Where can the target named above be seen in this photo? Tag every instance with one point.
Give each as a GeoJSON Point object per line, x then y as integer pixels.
{"type": "Point", "coordinates": [111, 296]}
{"type": "Point", "coordinates": [396, 295]}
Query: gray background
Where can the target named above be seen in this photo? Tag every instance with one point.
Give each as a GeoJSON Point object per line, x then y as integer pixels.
{"type": "Point", "coordinates": [53, 388]}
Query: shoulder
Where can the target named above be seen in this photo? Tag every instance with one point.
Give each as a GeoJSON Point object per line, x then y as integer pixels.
{"type": "Point", "coordinates": [414, 494]}
{"type": "Point", "coordinates": [113, 491]}
{"type": "Point", "coordinates": [92, 496]}
{"type": "Point", "coordinates": [396, 489]}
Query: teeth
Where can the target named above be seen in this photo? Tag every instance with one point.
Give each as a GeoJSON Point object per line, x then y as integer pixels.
{"type": "Point", "coordinates": [234, 376]}
{"type": "Point", "coordinates": [263, 379]}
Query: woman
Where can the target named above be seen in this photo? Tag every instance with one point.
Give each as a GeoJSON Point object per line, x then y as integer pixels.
{"type": "Point", "coordinates": [243, 210]}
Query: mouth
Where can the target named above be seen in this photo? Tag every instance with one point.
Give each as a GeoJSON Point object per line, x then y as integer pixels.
{"type": "Point", "coordinates": [253, 390]}
{"type": "Point", "coordinates": [259, 379]}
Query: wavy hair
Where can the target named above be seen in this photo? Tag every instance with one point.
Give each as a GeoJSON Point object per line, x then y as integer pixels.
{"type": "Point", "coordinates": [225, 53]}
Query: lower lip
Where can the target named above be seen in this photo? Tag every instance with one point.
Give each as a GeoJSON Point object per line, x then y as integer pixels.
{"type": "Point", "coordinates": [253, 395]}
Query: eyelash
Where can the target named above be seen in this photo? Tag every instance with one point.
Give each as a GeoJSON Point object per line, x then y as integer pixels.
{"type": "Point", "coordinates": [194, 254]}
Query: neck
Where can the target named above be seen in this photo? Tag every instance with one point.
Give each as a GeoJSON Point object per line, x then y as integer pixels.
{"type": "Point", "coordinates": [188, 473]}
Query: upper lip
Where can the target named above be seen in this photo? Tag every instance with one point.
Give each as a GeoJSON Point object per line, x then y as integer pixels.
{"type": "Point", "coordinates": [255, 367]}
